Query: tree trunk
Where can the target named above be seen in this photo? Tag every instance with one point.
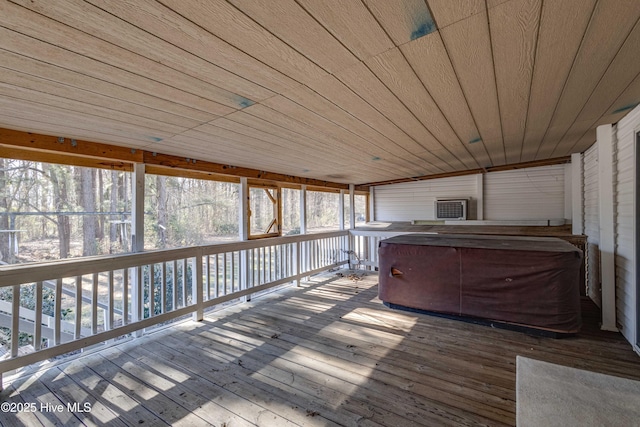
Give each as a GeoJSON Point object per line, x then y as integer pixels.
{"type": "Point", "coordinates": [100, 218]}
{"type": "Point", "coordinates": [161, 186]}
{"type": "Point", "coordinates": [59, 181]}
{"type": "Point", "coordinates": [113, 207]}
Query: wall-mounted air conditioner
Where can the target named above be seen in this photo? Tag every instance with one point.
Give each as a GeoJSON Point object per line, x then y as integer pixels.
{"type": "Point", "coordinates": [451, 209]}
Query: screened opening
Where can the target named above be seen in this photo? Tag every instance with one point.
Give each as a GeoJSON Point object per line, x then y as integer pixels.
{"type": "Point", "coordinates": [264, 212]}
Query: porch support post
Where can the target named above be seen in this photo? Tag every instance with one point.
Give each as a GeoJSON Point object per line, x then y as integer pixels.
{"type": "Point", "coordinates": [372, 204]}
{"type": "Point", "coordinates": [196, 287]}
{"type": "Point", "coordinates": [341, 209]}
{"type": "Point", "coordinates": [480, 196]}
{"type": "Point", "coordinates": [352, 206]}
{"type": "Point", "coordinates": [605, 143]}
{"type": "Point", "coordinates": [243, 228]}
{"type": "Point", "coordinates": [577, 194]}
{"type": "Point", "coordinates": [137, 241]}
{"type": "Point", "coordinates": [303, 253]}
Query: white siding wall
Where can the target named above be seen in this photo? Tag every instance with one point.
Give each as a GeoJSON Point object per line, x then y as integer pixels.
{"type": "Point", "coordinates": [624, 182]}
{"type": "Point", "coordinates": [532, 193]}
{"type": "Point", "coordinates": [415, 200]}
{"type": "Point", "coordinates": [591, 225]}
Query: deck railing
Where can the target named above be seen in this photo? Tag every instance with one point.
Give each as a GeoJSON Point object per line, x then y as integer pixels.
{"type": "Point", "coordinates": [68, 305]}
{"type": "Point", "coordinates": [364, 245]}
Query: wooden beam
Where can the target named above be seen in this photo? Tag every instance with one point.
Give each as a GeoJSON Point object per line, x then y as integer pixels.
{"type": "Point", "coordinates": [532, 164]}
{"type": "Point", "coordinates": [72, 147]}
{"type": "Point", "coordinates": [184, 163]}
{"type": "Point", "coordinates": [63, 159]}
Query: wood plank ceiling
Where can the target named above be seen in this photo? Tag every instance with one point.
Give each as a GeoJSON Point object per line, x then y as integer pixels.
{"type": "Point", "coordinates": [351, 91]}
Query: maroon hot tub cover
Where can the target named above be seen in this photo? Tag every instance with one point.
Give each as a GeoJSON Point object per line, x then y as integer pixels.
{"type": "Point", "coordinates": [526, 281]}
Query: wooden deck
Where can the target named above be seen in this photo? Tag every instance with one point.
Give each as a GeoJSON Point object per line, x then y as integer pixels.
{"type": "Point", "coordinates": [328, 353]}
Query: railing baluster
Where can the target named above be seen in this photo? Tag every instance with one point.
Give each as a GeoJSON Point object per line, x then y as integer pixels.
{"type": "Point", "coordinates": [110, 297]}
{"type": "Point", "coordinates": [125, 296]}
{"type": "Point", "coordinates": [57, 312]}
{"type": "Point", "coordinates": [207, 273]}
{"type": "Point", "coordinates": [94, 304]}
{"type": "Point", "coordinates": [184, 282]}
{"type": "Point", "coordinates": [174, 279]}
{"type": "Point", "coordinates": [163, 288]}
{"type": "Point", "coordinates": [152, 290]}
{"type": "Point", "coordinates": [217, 276]}
{"type": "Point", "coordinates": [78, 325]}
{"type": "Point", "coordinates": [15, 321]}
{"type": "Point", "coordinates": [224, 273]}
{"type": "Point", "coordinates": [233, 271]}
{"type": "Point", "coordinates": [37, 322]}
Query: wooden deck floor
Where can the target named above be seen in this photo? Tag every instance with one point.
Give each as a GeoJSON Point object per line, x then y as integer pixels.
{"type": "Point", "coordinates": [328, 353]}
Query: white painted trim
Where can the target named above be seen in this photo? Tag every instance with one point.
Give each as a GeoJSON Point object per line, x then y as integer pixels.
{"type": "Point", "coordinates": [303, 209]}
{"type": "Point", "coordinates": [341, 210]}
{"type": "Point", "coordinates": [243, 210]}
{"type": "Point", "coordinates": [352, 206]}
{"type": "Point", "coordinates": [480, 197]}
{"type": "Point", "coordinates": [137, 208]}
{"type": "Point", "coordinates": [607, 236]}
{"type": "Point", "coordinates": [372, 204]}
{"type": "Point", "coordinates": [577, 194]}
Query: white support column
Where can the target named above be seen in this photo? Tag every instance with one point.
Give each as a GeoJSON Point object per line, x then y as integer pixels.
{"type": "Point", "coordinates": [607, 238]}
{"type": "Point", "coordinates": [372, 204]}
{"type": "Point", "coordinates": [341, 209]}
{"type": "Point", "coordinates": [352, 206]}
{"type": "Point", "coordinates": [137, 208]}
{"type": "Point", "coordinates": [196, 287]}
{"type": "Point", "coordinates": [303, 209]}
{"type": "Point", "coordinates": [243, 227]}
{"type": "Point", "coordinates": [137, 241]}
{"type": "Point", "coordinates": [577, 194]}
{"type": "Point", "coordinates": [480, 196]}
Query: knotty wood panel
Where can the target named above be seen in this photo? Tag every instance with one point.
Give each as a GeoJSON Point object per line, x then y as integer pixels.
{"type": "Point", "coordinates": [428, 58]}
{"type": "Point", "coordinates": [447, 12]}
{"type": "Point", "coordinates": [403, 20]}
{"type": "Point", "coordinates": [610, 25]}
{"type": "Point", "coordinates": [514, 30]}
{"type": "Point", "coordinates": [566, 21]}
{"type": "Point", "coordinates": [352, 24]}
{"type": "Point", "coordinates": [469, 47]}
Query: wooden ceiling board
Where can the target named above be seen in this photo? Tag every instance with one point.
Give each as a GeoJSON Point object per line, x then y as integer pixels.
{"type": "Point", "coordinates": [344, 97]}
{"type": "Point", "coordinates": [429, 60]}
{"type": "Point", "coordinates": [403, 20]}
{"type": "Point", "coordinates": [159, 20]}
{"type": "Point", "coordinates": [562, 26]}
{"type": "Point", "coordinates": [64, 83]}
{"type": "Point", "coordinates": [352, 24]}
{"type": "Point", "coordinates": [194, 92]}
{"type": "Point", "coordinates": [447, 12]}
{"type": "Point", "coordinates": [288, 21]}
{"type": "Point", "coordinates": [610, 25]}
{"type": "Point", "coordinates": [360, 79]}
{"type": "Point", "coordinates": [168, 98]}
{"type": "Point", "coordinates": [22, 92]}
{"type": "Point", "coordinates": [514, 31]}
{"type": "Point", "coordinates": [215, 16]}
{"type": "Point", "coordinates": [621, 73]}
{"type": "Point", "coordinates": [468, 45]}
{"type": "Point", "coordinates": [200, 145]}
{"type": "Point", "coordinates": [84, 125]}
{"type": "Point", "coordinates": [228, 88]}
{"type": "Point", "coordinates": [345, 140]}
{"type": "Point", "coordinates": [396, 74]}
{"type": "Point", "coordinates": [321, 138]}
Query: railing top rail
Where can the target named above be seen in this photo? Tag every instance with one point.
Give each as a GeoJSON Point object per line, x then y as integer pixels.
{"type": "Point", "coordinates": [14, 274]}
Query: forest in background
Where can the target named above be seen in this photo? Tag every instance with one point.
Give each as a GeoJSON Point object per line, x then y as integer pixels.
{"type": "Point", "coordinates": [60, 211]}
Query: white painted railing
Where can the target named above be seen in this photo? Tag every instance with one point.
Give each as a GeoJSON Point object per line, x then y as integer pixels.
{"type": "Point", "coordinates": [364, 245]}
{"type": "Point", "coordinates": [67, 305]}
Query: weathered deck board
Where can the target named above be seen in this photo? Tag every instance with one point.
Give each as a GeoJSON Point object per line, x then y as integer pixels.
{"type": "Point", "coordinates": [326, 354]}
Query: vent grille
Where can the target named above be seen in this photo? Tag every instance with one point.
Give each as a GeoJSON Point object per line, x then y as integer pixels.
{"type": "Point", "coordinates": [451, 209]}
